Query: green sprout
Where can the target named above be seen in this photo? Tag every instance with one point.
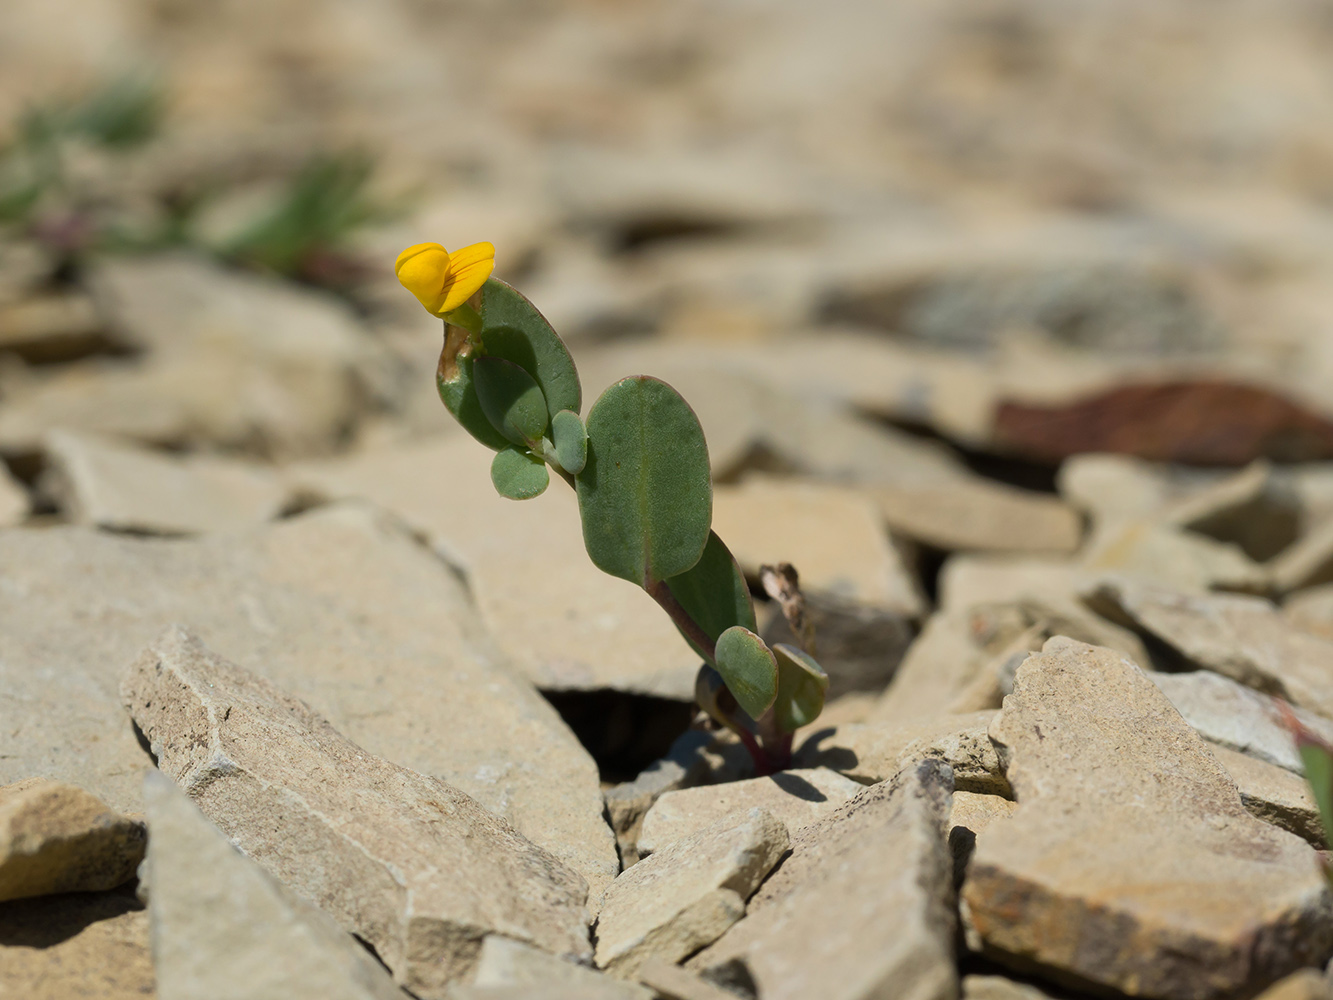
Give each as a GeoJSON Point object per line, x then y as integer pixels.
{"type": "Point", "coordinates": [639, 466]}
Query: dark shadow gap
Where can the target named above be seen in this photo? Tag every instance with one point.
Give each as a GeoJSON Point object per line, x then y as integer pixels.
{"type": "Point", "coordinates": [624, 733]}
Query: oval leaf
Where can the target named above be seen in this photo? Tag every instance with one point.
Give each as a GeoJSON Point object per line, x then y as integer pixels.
{"type": "Point", "coordinates": [518, 475]}
{"type": "Point", "coordinates": [513, 329]}
{"type": "Point", "coordinates": [802, 685]}
{"type": "Point", "coordinates": [645, 495]}
{"type": "Point", "coordinates": [511, 400]}
{"type": "Point", "coordinates": [571, 441]}
{"type": "Point", "coordinates": [749, 668]}
{"type": "Point", "coordinates": [453, 380]}
{"type": "Point", "coordinates": [714, 593]}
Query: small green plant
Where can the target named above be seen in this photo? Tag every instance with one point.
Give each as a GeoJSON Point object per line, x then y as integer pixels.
{"type": "Point", "coordinates": [639, 465]}
{"type": "Point", "coordinates": [1317, 758]}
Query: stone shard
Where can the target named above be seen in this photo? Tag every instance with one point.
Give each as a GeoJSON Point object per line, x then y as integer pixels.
{"type": "Point", "coordinates": [1233, 715]}
{"type": "Point", "coordinates": [1163, 553]}
{"type": "Point", "coordinates": [863, 907]}
{"type": "Point", "coordinates": [1002, 988]}
{"type": "Point", "coordinates": [970, 814]}
{"type": "Point", "coordinates": [1274, 794]}
{"type": "Point", "coordinates": [796, 798]}
{"type": "Point", "coordinates": [509, 963]}
{"type": "Point", "coordinates": [1244, 638]}
{"type": "Point", "coordinates": [411, 865]}
{"type": "Point", "coordinates": [1131, 863]}
{"type": "Point", "coordinates": [628, 802]}
{"type": "Point", "coordinates": [341, 606]}
{"type": "Point", "coordinates": [126, 487]}
{"type": "Point", "coordinates": [224, 929]}
{"type": "Point", "coordinates": [59, 838]}
{"type": "Point", "coordinates": [685, 896]}
{"type": "Point", "coordinates": [875, 751]}
{"type": "Point", "coordinates": [670, 982]}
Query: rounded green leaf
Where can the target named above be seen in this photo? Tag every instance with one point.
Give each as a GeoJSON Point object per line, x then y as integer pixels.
{"type": "Point", "coordinates": [513, 329]}
{"type": "Point", "coordinates": [714, 593]}
{"type": "Point", "coordinates": [511, 400]}
{"type": "Point", "coordinates": [749, 668]}
{"type": "Point", "coordinates": [453, 380]}
{"type": "Point", "coordinates": [570, 438]}
{"type": "Point", "coordinates": [645, 495]}
{"type": "Point", "coordinates": [802, 685]}
{"type": "Point", "coordinates": [518, 475]}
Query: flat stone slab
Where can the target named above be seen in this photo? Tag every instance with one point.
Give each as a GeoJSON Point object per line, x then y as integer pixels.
{"type": "Point", "coordinates": [341, 606]}
{"type": "Point", "coordinates": [863, 907]}
{"type": "Point", "coordinates": [59, 838]}
{"type": "Point", "coordinates": [796, 798]}
{"type": "Point", "coordinates": [685, 896]}
{"type": "Point", "coordinates": [504, 962]}
{"type": "Point", "coordinates": [410, 864]}
{"type": "Point", "coordinates": [224, 929]}
{"type": "Point", "coordinates": [1274, 795]}
{"type": "Point", "coordinates": [1131, 862]}
{"type": "Point", "coordinates": [1244, 638]}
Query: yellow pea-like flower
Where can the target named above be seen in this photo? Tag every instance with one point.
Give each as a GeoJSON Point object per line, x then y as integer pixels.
{"type": "Point", "coordinates": [441, 280]}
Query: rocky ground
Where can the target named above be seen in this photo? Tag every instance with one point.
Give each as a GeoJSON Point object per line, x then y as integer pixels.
{"type": "Point", "coordinates": [1007, 324]}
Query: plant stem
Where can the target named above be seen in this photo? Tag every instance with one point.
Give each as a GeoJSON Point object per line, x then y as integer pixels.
{"type": "Point", "coordinates": [661, 593]}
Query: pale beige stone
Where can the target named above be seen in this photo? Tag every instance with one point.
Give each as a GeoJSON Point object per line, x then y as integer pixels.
{"type": "Point", "coordinates": [1114, 487]}
{"type": "Point", "coordinates": [1308, 562]}
{"type": "Point", "coordinates": [76, 945]}
{"type": "Point", "coordinates": [864, 905]}
{"type": "Point", "coordinates": [1274, 794]}
{"type": "Point", "coordinates": [506, 962]}
{"type": "Point", "coordinates": [413, 866]}
{"type": "Point", "coordinates": [686, 895]}
{"type": "Point", "coordinates": [115, 484]}
{"type": "Point", "coordinates": [1001, 988]}
{"type": "Point", "coordinates": [14, 501]}
{"type": "Point", "coordinates": [1244, 638]}
{"type": "Point", "coordinates": [564, 623]}
{"type": "Point", "coordinates": [1304, 984]}
{"type": "Point", "coordinates": [58, 838]}
{"type": "Point", "coordinates": [670, 982]}
{"type": "Point", "coordinates": [51, 327]}
{"type": "Point", "coordinates": [875, 751]}
{"type": "Point", "coordinates": [223, 929]}
{"type": "Point", "coordinates": [796, 798]}
{"type": "Point", "coordinates": [974, 812]}
{"type": "Point", "coordinates": [832, 535]}
{"type": "Point", "coordinates": [938, 667]}
{"type": "Point", "coordinates": [972, 514]}
{"type": "Point", "coordinates": [1257, 508]}
{"type": "Point", "coordinates": [1164, 554]}
{"type": "Point", "coordinates": [342, 607]}
{"type": "Point", "coordinates": [1129, 832]}
{"type": "Point", "coordinates": [685, 764]}
{"type": "Point", "coordinates": [1311, 610]}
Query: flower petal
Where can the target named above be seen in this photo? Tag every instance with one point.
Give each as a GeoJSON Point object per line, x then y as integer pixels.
{"type": "Point", "coordinates": [469, 268]}
{"type": "Point", "coordinates": [424, 271]}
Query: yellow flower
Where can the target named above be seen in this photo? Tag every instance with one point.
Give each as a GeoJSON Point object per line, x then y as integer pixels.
{"type": "Point", "coordinates": [441, 280]}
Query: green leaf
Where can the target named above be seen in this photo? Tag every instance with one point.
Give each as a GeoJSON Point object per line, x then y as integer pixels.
{"type": "Point", "coordinates": [458, 391]}
{"type": "Point", "coordinates": [510, 399]}
{"type": "Point", "coordinates": [571, 441]}
{"type": "Point", "coordinates": [749, 668]}
{"type": "Point", "coordinates": [714, 593]}
{"type": "Point", "coordinates": [645, 495]}
{"type": "Point", "coordinates": [518, 475]}
{"type": "Point", "coordinates": [513, 329]}
{"type": "Point", "coordinates": [1319, 773]}
{"type": "Point", "coordinates": [802, 685]}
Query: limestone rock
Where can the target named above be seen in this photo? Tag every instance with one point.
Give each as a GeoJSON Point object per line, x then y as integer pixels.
{"type": "Point", "coordinates": [1115, 487]}
{"type": "Point", "coordinates": [568, 626]}
{"type": "Point", "coordinates": [58, 838]}
{"type": "Point", "coordinates": [970, 814]}
{"type": "Point", "coordinates": [126, 487]}
{"type": "Point", "coordinates": [1274, 794]}
{"type": "Point", "coordinates": [506, 962]}
{"type": "Point", "coordinates": [796, 798]}
{"type": "Point", "coordinates": [1223, 711]}
{"type": "Point", "coordinates": [1131, 834]}
{"type": "Point", "coordinates": [1244, 638]}
{"type": "Point", "coordinates": [411, 865]}
{"type": "Point", "coordinates": [670, 982]}
{"type": "Point", "coordinates": [1001, 988]}
{"type": "Point", "coordinates": [1305, 984]}
{"type": "Point", "coordinates": [973, 514]}
{"type": "Point", "coordinates": [342, 607]}
{"type": "Point", "coordinates": [1170, 556]}
{"type": "Point", "coordinates": [864, 905]}
{"type": "Point", "coordinates": [832, 535]}
{"type": "Point", "coordinates": [875, 751]}
{"type": "Point", "coordinates": [686, 895]}
{"type": "Point", "coordinates": [1311, 610]}
{"type": "Point", "coordinates": [1256, 508]}
{"type": "Point", "coordinates": [1306, 563]}
{"type": "Point", "coordinates": [78, 944]}
{"type": "Point", "coordinates": [51, 327]}
{"type": "Point", "coordinates": [628, 802]}
{"type": "Point", "coordinates": [14, 501]}
{"type": "Point", "coordinates": [223, 928]}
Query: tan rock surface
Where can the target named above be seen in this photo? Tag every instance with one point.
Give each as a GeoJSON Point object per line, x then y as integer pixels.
{"type": "Point", "coordinates": [1130, 833]}
{"type": "Point", "coordinates": [83, 944]}
{"type": "Point", "coordinates": [1172, 557]}
{"type": "Point", "coordinates": [118, 485]}
{"type": "Point", "coordinates": [1274, 794]}
{"type": "Point", "coordinates": [506, 962]}
{"type": "Point", "coordinates": [413, 866]}
{"type": "Point", "coordinates": [670, 982]}
{"type": "Point", "coordinates": [340, 606]}
{"type": "Point", "coordinates": [1305, 984]}
{"type": "Point", "coordinates": [58, 838]}
{"type": "Point", "coordinates": [223, 929]}
{"type": "Point", "coordinates": [1244, 638]}
{"type": "Point", "coordinates": [863, 907]}
{"type": "Point", "coordinates": [796, 798]}
{"type": "Point", "coordinates": [875, 751]}
{"type": "Point", "coordinates": [685, 896]}
{"type": "Point", "coordinates": [14, 501]}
